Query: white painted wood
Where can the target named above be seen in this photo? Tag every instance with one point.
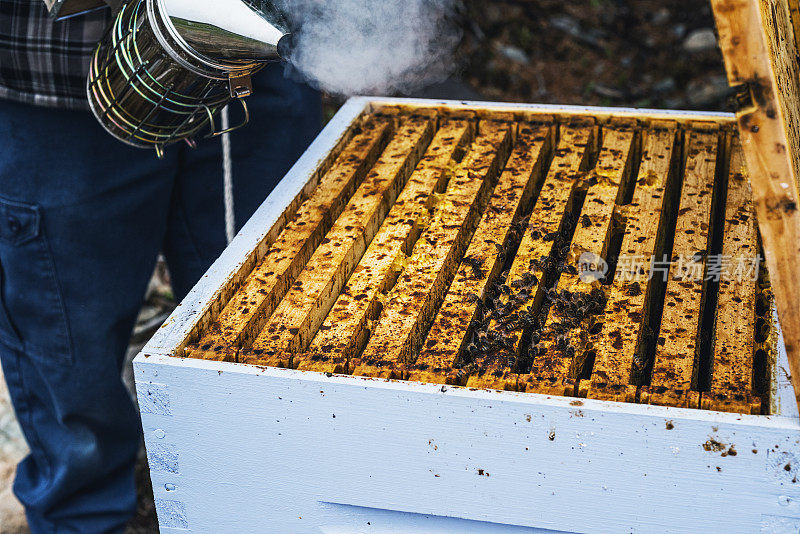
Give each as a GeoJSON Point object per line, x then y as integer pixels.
{"type": "Point", "coordinates": [237, 448]}
{"type": "Point", "coordinates": [786, 402]}
{"type": "Point", "coordinates": [270, 450]}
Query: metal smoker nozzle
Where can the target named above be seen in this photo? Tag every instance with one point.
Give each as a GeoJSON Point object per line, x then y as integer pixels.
{"type": "Point", "coordinates": [285, 46]}
{"type": "Point", "coordinates": [228, 32]}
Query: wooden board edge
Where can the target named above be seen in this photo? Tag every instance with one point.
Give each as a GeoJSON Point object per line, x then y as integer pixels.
{"type": "Point", "coordinates": [762, 125]}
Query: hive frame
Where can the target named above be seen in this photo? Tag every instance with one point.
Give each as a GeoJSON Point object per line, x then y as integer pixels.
{"type": "Point", "coordinates": [220, 463]}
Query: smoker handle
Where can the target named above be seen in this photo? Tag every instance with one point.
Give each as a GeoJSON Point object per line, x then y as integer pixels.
{"type": "Point", "coordinates": [215, 133]}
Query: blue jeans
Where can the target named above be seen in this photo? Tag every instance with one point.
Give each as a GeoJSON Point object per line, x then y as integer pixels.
{"type": "Point", "coordinates": [82, 220]}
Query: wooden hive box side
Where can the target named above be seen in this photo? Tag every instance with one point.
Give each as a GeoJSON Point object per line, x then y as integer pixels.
{"type": "Point", "coordinates": [760, 51]}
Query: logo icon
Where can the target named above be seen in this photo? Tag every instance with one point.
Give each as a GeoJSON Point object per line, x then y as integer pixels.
{"type": "Point", "coordinates": [591, 268]}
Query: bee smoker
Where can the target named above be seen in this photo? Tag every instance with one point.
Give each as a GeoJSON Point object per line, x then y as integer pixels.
{"type": "Point", "coordinates": [166, 68]}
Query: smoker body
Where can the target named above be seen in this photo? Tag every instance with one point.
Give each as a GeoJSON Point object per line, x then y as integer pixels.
{"type": "Point", "coordinates": [253, 448]}
{"type": "Point", "coordinates": [166, 69]}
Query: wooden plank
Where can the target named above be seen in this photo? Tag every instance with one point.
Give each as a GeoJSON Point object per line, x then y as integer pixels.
{"type": "Point", "coordinates": [578, 297]}
{"type": "Point", "coordinates": [794, 8]}
{"type": "Point", "coordinates": [562, 113]}
{"type": "Point", "coordinates": [421, 287]}
{"type": "Point", "coordinates": [344, 330]}
{"type": "Point", "coordinates": [621, 330]}
{"type": "Point", "coordinates": [302, 310]}
{"type": "Point", "coordinates": [519, 184]}
{"type": "Point", "coordinates": [244, 315]}
{"type": "Point", "coordinates": [760, 54]}
{"type": "Point", "coordinates": [206, 300]}
{"type": "Point", "coordinates": [766, 351]}
{"type": "Point", "coordinates": [490, 369]}
{"type": "Point", "coordinates": [677, 346]}
{"type": "Point", "coordinates": [732, 365]}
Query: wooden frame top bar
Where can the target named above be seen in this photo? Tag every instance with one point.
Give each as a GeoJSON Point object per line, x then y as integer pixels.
{"type": "Point", "coordinates": [204, 303]}
{"type": "Point", "coordinates": [760, 50]}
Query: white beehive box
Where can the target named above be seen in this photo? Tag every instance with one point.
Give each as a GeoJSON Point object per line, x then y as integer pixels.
{"type": "Point", "coordinates": [250, 448]}
{"type": "Point", "coordinates": [254, 447]}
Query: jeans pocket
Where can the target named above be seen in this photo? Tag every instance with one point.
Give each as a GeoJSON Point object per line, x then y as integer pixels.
{"type": "Point", "coordinates": [33, 318]}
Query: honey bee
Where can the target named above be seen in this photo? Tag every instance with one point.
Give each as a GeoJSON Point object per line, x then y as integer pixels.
{"type": "Point", "coordinates": [476, 265]}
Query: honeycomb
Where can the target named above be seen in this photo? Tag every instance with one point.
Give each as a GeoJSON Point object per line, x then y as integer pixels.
{"type": "Point", "coordinates": [612, 258]}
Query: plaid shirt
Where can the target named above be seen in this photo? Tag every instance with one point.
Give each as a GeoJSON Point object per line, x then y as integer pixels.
{"type": "Point", "coordinates": [45, 62]}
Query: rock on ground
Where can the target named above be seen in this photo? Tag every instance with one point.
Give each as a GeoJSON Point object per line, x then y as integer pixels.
{"type": "Point", "coordinates": [702, 40]}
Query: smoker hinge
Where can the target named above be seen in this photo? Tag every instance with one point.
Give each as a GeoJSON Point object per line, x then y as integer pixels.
{"type": "Point", "coordinates": [241, 85]}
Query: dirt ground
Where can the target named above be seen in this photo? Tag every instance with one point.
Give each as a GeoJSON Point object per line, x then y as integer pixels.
{"type": "Point", "coordinates": [641, 53]}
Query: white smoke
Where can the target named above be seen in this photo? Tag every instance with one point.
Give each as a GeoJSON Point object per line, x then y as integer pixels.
{"type": "Point", "coordinates": [348, 47]}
